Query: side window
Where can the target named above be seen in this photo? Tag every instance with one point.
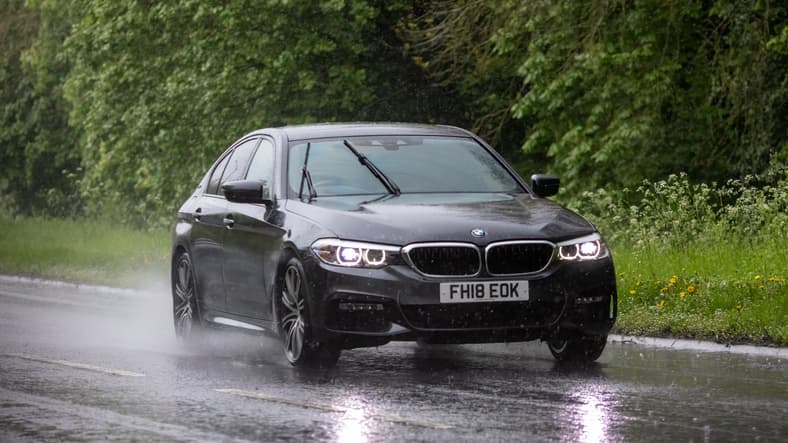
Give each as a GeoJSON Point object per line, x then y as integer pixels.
{"type": "Point", "coordinates": [239, 160]}
{"type": "Point", "coordinates": [262, 167]}
{"type": "Point", "coordinates": [213, 183]}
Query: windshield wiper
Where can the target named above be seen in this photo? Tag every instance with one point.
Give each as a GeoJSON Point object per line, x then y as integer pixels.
{"type": "Point", "coordinates": [390, 185]}
{"type": "Point", "coordinates": [307, 177]}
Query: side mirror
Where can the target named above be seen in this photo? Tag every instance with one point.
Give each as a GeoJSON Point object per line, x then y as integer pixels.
{"type": "Point", "coordinates": [545, 185]}
{"type": "Point", "coordinates": [246, 191]}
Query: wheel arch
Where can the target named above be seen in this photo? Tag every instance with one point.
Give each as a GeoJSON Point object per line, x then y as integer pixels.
{"type": "Point", "coordinates": [289, 251]}
{"type": "Point", "coordinates": [177, 250]}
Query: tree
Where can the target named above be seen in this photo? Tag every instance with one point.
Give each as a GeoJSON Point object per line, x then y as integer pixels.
{"type": "Point", "coordinates": [614, 91]}
{"type": "Point", "coordinates": [160, 89]}
{"type": "Point", "coordinates": [38, 161]}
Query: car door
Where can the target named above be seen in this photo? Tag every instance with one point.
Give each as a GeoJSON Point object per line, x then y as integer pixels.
{"type": "Point", "coordinates": [207, 234]}
{"type": "Point", "coordinates": [251, 245]}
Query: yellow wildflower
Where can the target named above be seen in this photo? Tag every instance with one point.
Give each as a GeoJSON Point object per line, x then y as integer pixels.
{"type": "Point", "coordinates": [691, 289]}
{"type": "Point", "coordinates": [738, 307]}
{"type": "Point", "coordinates": [673, 280]}
{"type": "Point", "coordinates": [632, 292]}
{"type": "Point", "coordinates": [760, 287]}
{"type": "Point", "coordinates": [757, 277]}
{"type": "Point", "coordinates": [663, 290]}
{"type": "Point", "coordinates": [661, 304]}
{"type": "Point", "coordinates": [682, 294]}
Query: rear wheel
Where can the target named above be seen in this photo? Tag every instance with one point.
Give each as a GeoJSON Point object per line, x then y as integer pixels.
{"type": "Point", "coordinates": [577, 347]}
{"type": "Point", "coordinates": [185, 314]}
{"type": "Point", "coordinates": [301, 350]}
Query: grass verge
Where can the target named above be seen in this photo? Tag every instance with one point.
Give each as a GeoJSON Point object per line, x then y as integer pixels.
{"type": "Point", "coordinates": [729, 292]}
{"type": "Point", "coordinates": [83, 251]}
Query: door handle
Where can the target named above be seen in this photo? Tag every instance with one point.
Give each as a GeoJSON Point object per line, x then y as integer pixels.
{"type": "Point", "coordinates": [197, 215]}
{"type": "Point", "coordinates": [229, 221]}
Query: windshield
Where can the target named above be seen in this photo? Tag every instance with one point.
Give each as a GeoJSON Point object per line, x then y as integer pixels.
{"type": "Point", "coordinates": [414, 164]}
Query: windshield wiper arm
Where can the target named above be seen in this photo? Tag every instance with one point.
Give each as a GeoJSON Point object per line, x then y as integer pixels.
{"type": "Point", "coordinates": [307, 177]}
{"type": "Point", "coordinates": [390, 185]}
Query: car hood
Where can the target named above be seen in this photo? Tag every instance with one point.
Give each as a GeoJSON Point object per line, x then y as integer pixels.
{"type": "Point", "coordinates": [411, 218]}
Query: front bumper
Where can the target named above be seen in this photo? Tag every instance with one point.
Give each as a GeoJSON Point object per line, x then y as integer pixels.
{"type": "Point", "coordinates": [367, 307]}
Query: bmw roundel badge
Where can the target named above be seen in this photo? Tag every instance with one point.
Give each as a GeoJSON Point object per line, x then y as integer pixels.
{"type": "Point", "coordinates": [478, 232]}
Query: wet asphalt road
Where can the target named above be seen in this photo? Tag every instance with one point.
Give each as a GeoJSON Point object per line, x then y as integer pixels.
{"type": "Point", "coordinates": [88, 364]}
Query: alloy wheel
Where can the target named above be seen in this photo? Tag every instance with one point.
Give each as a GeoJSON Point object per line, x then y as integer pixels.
{"type": "Point", "coordinates": [184, 301]}
{"type": "Point", "coordinates": [293, 318]}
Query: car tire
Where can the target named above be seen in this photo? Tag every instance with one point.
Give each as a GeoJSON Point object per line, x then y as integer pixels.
{"type": "Point", "coordinates": [577, 347]}
{"type": "Point", "coordinates": [300, 348]}
{"type": "Point", "coordinates": [185, 309]}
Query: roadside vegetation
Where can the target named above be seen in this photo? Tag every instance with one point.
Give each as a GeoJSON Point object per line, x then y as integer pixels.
{"type": "Point", "coordinates": [110, 109]}
{"type": "Point", "coordinates": [700, 261]}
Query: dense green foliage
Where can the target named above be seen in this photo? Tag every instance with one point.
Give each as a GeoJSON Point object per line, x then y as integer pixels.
{"type": "Point", "coordinates": [114, 109]}
{"type": "Point", "coordinates": [157, 91]}
{"type": "Point", "coordinates": [613, 91]}
{"type": "Point", "coordinates": [162, 89]}
{"type": "Point", "coordinates": [40, 161]}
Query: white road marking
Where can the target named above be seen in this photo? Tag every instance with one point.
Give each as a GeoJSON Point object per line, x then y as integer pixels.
{"type": "Point", "coordinates": [71, 420]}
{"type": "Point", "coordinates": [77, 365]}
{"type": "Point", "coordinates": [38, 282]}
{"type": "Point", "coordinates": [62, 301]}
{"type": "Point", "coordinates": [393, 418]}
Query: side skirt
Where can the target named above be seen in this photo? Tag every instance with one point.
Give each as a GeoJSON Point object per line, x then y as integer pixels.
{"type": "Point", "coordinates": [225, 320]}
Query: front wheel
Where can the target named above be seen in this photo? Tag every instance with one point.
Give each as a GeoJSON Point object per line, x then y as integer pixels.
{"type": "Point", "coordinates": [577, 347]}
{"type": "Point", "coordinates": [301, 350]}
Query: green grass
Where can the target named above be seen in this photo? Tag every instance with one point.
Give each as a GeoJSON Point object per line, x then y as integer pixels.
{"type": "Point", "coordinates": [82, 251]}
{"type": "Point", "coordinates": [730, 291]}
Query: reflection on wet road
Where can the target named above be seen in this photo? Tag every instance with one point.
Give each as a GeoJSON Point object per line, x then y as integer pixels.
{"type": "Point", "coordinates": [86, 364]}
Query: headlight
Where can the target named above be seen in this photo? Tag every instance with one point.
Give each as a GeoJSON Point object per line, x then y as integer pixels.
{"type": "Point", "coordinates": [590, 247]}
{"type": "Point", "coordinates": [334, 251]}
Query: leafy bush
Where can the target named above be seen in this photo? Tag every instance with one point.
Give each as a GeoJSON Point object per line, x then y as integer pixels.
{"type": "Point", "coordinates": [676, 213]}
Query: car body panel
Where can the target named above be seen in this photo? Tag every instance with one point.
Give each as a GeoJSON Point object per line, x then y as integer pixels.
{"type": "Point", "coordinates": [206, 246]}
{"type": "Point", "coordinates": [248, 249]}
{"type": "Point", "coordinates": [412, 218]}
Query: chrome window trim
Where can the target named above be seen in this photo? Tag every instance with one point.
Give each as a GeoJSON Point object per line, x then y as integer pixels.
{"type": "Point", "coordinates": [406, 255]}
{"type": "Point", "coordinates": [518, 242]}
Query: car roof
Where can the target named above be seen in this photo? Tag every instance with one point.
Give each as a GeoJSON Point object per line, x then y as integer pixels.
{"type": "Point", "coordinates": [329, 130]}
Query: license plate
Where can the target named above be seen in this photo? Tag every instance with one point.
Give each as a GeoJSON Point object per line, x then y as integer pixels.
{"type": "Point", "coordinates": [486, 291]}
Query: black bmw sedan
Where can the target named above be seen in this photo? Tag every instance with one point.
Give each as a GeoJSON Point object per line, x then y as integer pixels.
{"type": "Point", "coordinates": [339, 236]}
